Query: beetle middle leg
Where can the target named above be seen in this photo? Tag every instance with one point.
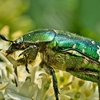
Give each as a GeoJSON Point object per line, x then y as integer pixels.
{"type": "Point", "coordinates": [51, 71]}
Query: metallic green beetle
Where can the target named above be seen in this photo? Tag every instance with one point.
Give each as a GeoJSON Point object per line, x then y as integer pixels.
{"type": "Point", "coordinates": [60, 50]}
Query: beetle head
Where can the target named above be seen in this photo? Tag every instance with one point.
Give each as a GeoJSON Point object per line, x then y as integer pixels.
{"type": "Point", "coordinates": [15, 45]}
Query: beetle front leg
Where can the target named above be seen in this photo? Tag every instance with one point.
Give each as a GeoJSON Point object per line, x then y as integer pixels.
{"type": "Point", "coordinates": [26, 64]}
{"type": "Point", "coordinates": [29, 55]}
{"type": "Point", "coordinates": [51, 71]}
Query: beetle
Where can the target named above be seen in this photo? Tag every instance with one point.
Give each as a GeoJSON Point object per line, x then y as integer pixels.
{"type": "Point", "coordinates": [60, 50]}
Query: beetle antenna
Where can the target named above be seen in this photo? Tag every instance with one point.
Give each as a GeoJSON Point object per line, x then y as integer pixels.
{"type": "Point", "coordinates": [3, 38]}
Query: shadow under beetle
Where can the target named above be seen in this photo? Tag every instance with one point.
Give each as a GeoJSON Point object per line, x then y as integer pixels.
{"type": "Point", "coordinates": [60, 50]}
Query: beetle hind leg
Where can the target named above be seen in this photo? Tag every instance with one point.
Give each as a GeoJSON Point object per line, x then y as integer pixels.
{"type": "Point", "coordinates": [55, 86]}
{"type": "Point", "coordinates": [51, 71]}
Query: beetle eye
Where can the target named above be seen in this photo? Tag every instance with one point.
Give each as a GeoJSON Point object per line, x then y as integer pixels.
{"type": "Point", "coordinates": [17, 43]}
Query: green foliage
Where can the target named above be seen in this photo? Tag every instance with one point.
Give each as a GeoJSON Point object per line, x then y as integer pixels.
{"type": "Point", "coordinates": [78, 16]}
{"type": "Point", "coordinates": [54, 14]}
{"type": "Point", "coordinates": [12, 13]}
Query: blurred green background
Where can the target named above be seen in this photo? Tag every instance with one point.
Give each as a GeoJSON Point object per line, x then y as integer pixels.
{"type": "Point", "coordinates": [77, 16]}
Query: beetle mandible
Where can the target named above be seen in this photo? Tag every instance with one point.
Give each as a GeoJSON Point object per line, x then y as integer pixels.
{"type": "Point", "coordinates": [60, 50]}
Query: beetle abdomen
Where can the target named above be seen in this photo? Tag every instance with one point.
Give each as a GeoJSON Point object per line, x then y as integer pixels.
{"type": "Point", "coordinates": [87, 47]}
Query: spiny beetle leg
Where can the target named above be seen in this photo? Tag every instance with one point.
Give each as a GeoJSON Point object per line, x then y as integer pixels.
{"type": "Point", "coordinates": [51, 71]}
{"type": "Point", "coordinates": [29, 54]}
{"type": "Point", "coordinates": [15, 70]}
{"type": "Point", "coordinates": [26, 64]}
{"type": "Point", "coordinates": [55, 86]}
